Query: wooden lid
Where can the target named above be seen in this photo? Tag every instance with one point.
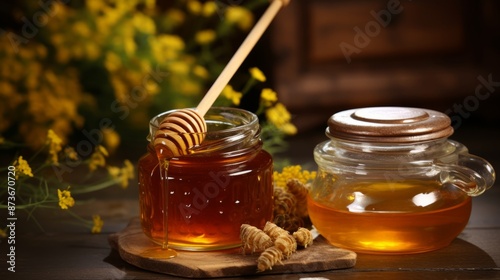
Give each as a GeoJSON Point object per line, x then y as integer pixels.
{"type": "Point", "coordinates": [389, 125]}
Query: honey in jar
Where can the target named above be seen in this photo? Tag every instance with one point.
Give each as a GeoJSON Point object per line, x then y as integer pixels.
{"type": "Point", "coordinates": [225, 182]}
{"type": "Point", "coordinates": [390, 182]}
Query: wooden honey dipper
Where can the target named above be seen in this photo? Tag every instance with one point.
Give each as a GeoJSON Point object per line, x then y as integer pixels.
{"type": "Point", "coordinates": [186, 128]}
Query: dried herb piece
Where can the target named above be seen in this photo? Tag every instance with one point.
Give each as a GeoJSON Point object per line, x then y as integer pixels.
{"type": "Point", "coordinates": [304, 237]}
{"type": "Point", "coordinates": [254, 239]}
{"type": "Point", "coordinates": [269, 258]}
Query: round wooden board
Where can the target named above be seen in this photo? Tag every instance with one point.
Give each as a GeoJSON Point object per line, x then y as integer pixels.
{"type": "Point", "coordinates": [131, 242]}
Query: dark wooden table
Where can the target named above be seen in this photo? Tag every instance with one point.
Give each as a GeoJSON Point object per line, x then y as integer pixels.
{"type": "Point", "coordinates": [66, 251]}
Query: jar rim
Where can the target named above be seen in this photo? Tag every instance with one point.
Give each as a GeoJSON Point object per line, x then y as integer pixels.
{"type": "Point", "coordinates": [228, 129]}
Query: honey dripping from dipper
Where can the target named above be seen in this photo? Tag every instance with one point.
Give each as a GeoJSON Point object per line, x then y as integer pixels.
{"type": "Point", "coordinates": [177, 134]}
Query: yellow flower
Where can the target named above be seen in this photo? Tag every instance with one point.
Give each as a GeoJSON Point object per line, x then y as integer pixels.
{"type": "Point", "coordinates": [293, 172]}
{"type": "Point", "coordinates": [209, 8]}
{"type": "Point", "coordinates": [240, 16]}
{"type": "Point", "coordinates": [114, 171]}
{"type": "Point", "coordinates": [63, 55]}
{"type": "Point", "coordinates": [171, 41]}
{"type": "Point", "coordinates": [179, 67]}
{"type": "Point", "coordinates": [280, 117]}
{"type": "Point", "coordinates": [26, 53]}
{"type": "Point", "coordinates": [166, 47]}
{"type": "Point", "coordinates": [3, 234]}
{"type": "Point", "coordinates": [57, 39]}
{"type": "Point", "coordinates": [123, 174]}
{"type": "Point", "coordinates": [268, 96]}
{"type": "Point", "coordinates": [200, 71]}
{"type": "Point", "coordinates": [95, 6]}
{"type": "Point", "coordinates": [150, 4]}
{"type": "Point", "coordinates": [97, 224]}
{"type": "Point", "coordinates": [6, 88]}
{"type": "Point", "coordinates": [22, 167]}
{"type": "Point", "coordinates": [229, 93]}
{"type": "Point", "coordinates": [144, 23]}
{"type": "Point", "coordinates": [34, 71]}
{"type": "Point", "coordinates": [204, 37]}
{"type": "Point", "coordinates": [112, 61]}
{"type": "Point", "coordinates": [111, 16]}
{"type": "Point", "coordinates": [41, 51]}
{"type": "Point", "coordinates": [174, 17]}
{"type": "Point", "coordinates": [92, 50]}
{"type": "Point", "coordinates": [152, 88]}
{"type": "Point", "coordinates": [194, 7]}
{"type": "Point", "coordinates": [111, 139]}
{"type": "Point", "coordinates": [54, 143]}
{"type": "Point", "coordinates": [190, 88]}
{"type": "Point", "coordinates": [77, 51]}
{"type": "Point", "coordinates": [128, 171]}
{"type": "Point", "coordinates": [257, 74]}
{"type": "Point", "coordinates": [70, 153]}
{"type": "Point", "coordinates": [120, 88]}
{"type": "Point", "coordinates": [129, 46]}
{"type": "Point", "coordinates": [98, 158]}
{"type": "Point", "coordinates": [10, 96]}
{"type": "Point", "coordinates": [288, 128]}
{"type": "Point", "coordinates": [65, 199]}
{"type": "Point", "coordinates": [82, 29]}
{"type": "Point", "coordinates": [102, 150]}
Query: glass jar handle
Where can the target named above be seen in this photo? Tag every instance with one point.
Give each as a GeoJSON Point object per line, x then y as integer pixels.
{"type": "Point", "coordinates": [472, 174]}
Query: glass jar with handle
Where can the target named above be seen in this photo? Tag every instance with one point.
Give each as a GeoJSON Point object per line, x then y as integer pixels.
{"type": "Point", "coordinates": [390, 181]}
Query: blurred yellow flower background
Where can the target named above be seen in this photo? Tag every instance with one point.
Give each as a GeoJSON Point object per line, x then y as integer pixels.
{"type": "Point", "coordinates": [81, 79]}
{"type": "Point", "coordinates": [65, 67]}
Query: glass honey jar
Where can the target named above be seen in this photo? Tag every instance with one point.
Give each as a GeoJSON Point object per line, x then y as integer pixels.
{"type": "Point", "coordinates": [391, 182]}
{"type": "Point", "coordinates": [226, 181]}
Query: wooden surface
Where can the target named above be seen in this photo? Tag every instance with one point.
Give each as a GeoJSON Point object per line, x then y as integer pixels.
{"type": "Point", "coordinates": [66, 251]}
{"type": "Point", "coordinates": [131, 244]}
{"type": "Point", "coordinates": [72, 253]}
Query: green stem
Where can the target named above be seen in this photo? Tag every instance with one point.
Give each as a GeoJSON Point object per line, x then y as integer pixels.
{"type": "Point", "coordinates": [248, 85]}
{"type": "Point", "coordinates": [256, 4]}
{"type": "Point", "coordinates": [261, 108]}
{"type": "Point", "coordinates": [100, 186]}
{"type": "Point", "coordinates": [9, 145]}
{"type": "Point", "coordinates": [36, 154]}
{"type": "Point", "coordinates": [32, 217]}
{"type": "Point", "coordinates": [74, 215]}
{"type": "Point", "coordinates": [39, 168]}
{"type": "Point", "coordinates": [34, 204]}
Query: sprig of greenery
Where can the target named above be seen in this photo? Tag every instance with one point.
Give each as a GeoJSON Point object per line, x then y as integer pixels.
{"type": "Point", "coordinates": [38, 187]}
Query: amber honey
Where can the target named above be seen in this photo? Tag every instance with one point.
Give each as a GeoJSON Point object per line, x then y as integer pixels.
{"type": "Point", "coordinates": [209, 197]}
{"type": "Point", "coordinates": [391, 217]}
{"type": "Point", "coordinates": [391, 182]}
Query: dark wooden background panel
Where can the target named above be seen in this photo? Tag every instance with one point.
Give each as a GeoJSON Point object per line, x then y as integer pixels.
{"type": "Point", "coordinates": [431, 55]}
